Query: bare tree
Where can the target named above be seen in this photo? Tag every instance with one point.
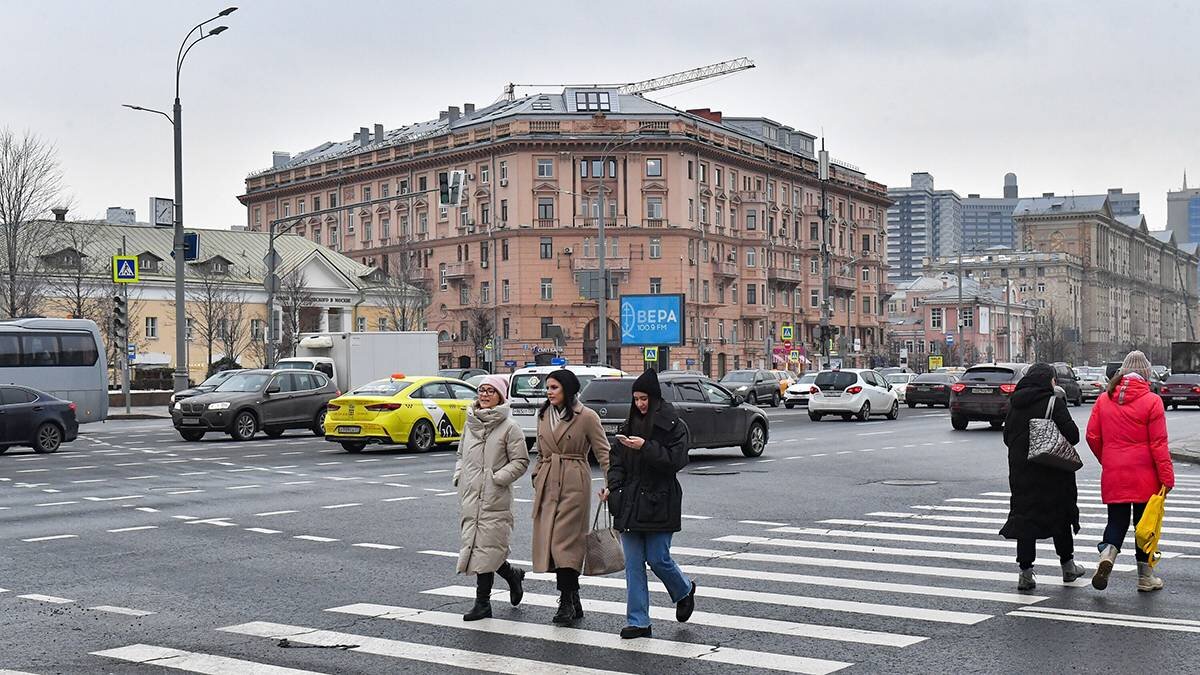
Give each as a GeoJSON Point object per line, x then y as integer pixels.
{"type": "Point", "coordinates": [79, 288]}
{"type": "Point", "coordinates": [213, 304]}
{"type": "Point", "coordinates": [294, 298]}
{"type": "Point", "coordinates": [1050, 340]}
{"type": "Point", "coordinates": [403, 302]}
{"type": "Point", "coordinates": [30, 183]}
{"type": "Point", "coordinates": [233, 334]}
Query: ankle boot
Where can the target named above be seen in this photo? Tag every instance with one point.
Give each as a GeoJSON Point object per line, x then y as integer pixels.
{"type": "Point", "coordinates": [578, 605]}
{"type": "Point", "coordinates": [1025, 580]}
{"type": "Point", "coordinates": [1072, 570]}
{"type": "Point", "coordinates": [482, 609]}
{"type": "Point", "coordinates": [1146, 579]}
{"type": "Point", "coordinates": [515, 577]}
{"type": "Point", "coordinates": [1107, 557]}
{"type": "Point", "coordinates": [566, 615]}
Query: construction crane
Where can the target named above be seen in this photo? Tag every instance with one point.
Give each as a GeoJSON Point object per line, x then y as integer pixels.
{"type": "Point", "coordinates": [653, 84]}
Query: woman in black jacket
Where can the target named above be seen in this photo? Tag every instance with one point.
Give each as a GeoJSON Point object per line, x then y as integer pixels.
{"type": "Point", "coordinates": [1044, 499]}
{"type": "Point", "coordinates": [646, 502]}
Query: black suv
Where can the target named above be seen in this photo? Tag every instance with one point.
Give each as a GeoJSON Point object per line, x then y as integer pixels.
{"type": "Point", "coordinates": [756, 386]}
{"type": "Point", "coordinates": [981, 394]}
{"type": "Point", "coordinates": [1064, 375]}
{"type": "Point", "coordinates": [270, 400]}
{"type": "Point", "coordinates": [715, 418]}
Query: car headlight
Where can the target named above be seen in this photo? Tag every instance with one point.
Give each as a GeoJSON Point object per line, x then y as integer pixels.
{"type": "Point", "coordinates": [177, 406]}
{"type": "Point", "coordinates": [220, 405]}
{"type": "Point", "coordinates": [742, 388]}
{"type": "Point", "coordinates": [174, 398]}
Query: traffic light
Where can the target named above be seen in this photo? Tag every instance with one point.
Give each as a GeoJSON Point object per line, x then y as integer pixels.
{"type": "Point", "coordinates": [450, 185]}
{"type": "Point", "coordinates": [120, 318]}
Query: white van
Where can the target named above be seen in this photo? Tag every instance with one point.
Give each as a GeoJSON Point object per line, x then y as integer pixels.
{"type": "Point", "coordinates": [527, 391]}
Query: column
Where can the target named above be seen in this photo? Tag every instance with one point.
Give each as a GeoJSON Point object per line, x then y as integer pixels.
{"type": "Point", "coordinates": [346, 319]}
{"type": "Point", "coordinates": [324, 317]}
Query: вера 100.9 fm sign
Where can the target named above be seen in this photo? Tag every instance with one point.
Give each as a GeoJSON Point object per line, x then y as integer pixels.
{"type": "Point", "coordinates": [652, 320]}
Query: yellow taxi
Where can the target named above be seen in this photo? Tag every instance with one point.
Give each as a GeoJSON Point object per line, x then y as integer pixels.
{"type": "Point", "coordinates": [418, 411]}
{"type": "Point", "coordinates": [786, 379]}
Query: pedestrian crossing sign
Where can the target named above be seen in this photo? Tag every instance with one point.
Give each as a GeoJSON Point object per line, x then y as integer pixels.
{"type": "Point", "coordinates": [785, 333]}
{"type": "Point", "coordinates": [651, 354]}
{"type": "Point", "coordinates": [125, 269]}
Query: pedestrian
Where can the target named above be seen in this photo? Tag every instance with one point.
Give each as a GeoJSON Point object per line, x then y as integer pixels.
{"type": "Point", "coordinates": [646, 501]}
{"type": "Point", "coordinates": [1043, 501]}
{"type": "Point", "coordinates": [562, 484]}
{"type": "Point", "coordinates": [491, 456]}
{"type": "Point", "coordinates": [1128, 434]}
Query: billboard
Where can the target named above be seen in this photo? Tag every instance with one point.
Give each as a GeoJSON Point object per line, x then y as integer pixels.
{"type": "Point", "coordinates": [652, 320]}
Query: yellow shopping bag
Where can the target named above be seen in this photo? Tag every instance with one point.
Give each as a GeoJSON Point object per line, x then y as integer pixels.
{"type": "Point", "coordinates": [1149, 527]}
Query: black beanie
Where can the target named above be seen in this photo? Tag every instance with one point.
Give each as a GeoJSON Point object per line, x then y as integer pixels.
{"type": "Point", "coordinates": [647, 383]}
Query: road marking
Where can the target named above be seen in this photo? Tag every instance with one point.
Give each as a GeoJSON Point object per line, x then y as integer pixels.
{"type": "Point", "coordinates": [129, 464]}
{"type": "Point", "coordinates": [384, 547]}
{"type": "Point", "coordinates": [51, 538]}
{"type": "Point", "coordinates": [113, 499]}
{"type": "Point", "coordinates": [56, 503]}
{"type": "Point", "coordinates": [184, 492]}
{"type": "Point", "coordinates": [299, 482]}
{"type": "Point", "coordinates": [576, 636]}
{"type": "Point", "coordinates": [146, 509]}
{"type": "Point", "coordinates": [120, 610]}
{"type": "Point", "coordinates": [310, 537]}
{"type": "Point", "coordinates": [140, 477]}
{"type": "Point", "coordinates": [442, 656]}
{"type": "Point", "coordinates": [843, 452]}
{"type": "Point", "coordinates": [286, 466]}
{"type": "Point", "coordinates": [874, 433]}
{"type": "Point", "coordinates": [240, 470]}
{"type": "Point", "coordinates": [47, 598]}
{"type": "Point", "coordinates": [185, 517]}
{"type": "Point", "coordinates": [1108, 620]}
{"type": "Point", "coordinates": [194, 473]}
{"type": "Point", "coordinates": [696, 517]}
{"type": "Point", "coordinates": [194, 662]}
{"type": "Point", "coordinates": [393, 475]}
{"type": "Point", "coordinates": [32, 470]}
{"type": "Point", "coordinates": [819, 454]}
{"type": "Point", "coordinates": [262, 530]}
{"type": "Point", "coordinates": [76, 468]}
{"type": "Point", "coordinates": [342, 506]}
{"type": "Point", "coordinates": [731, 621]}
{"type": "Point", "coordinates": [274, 513]}
{"type": "Point", "coordinates": [219, 522]}
{"type": "Point", "coordinates": [439, 471]}
{"type": "Point", "coordinates": [327, 463]}
{"type": "Point", "coordinates": [398, 499]}
{"type": "Point", "coordinates": [368, 460]}
{"type": "Point", "coordinates": [253, 456]}
{"type": "Point", "coordinates": [762, 522]}
{"type": "Point", "coordinates": [243, 487]}
{"type": "Point", "coordinates": [90, 480]}
{"type": "Point", "coordinates": [135, 529]}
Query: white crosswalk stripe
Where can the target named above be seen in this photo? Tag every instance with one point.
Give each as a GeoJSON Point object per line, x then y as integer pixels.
{"type": "Point", "coordinates": [192, 662]}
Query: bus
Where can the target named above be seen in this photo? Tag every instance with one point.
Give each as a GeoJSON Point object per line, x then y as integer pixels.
{"type": "Point", "coordinates": [62, 357]}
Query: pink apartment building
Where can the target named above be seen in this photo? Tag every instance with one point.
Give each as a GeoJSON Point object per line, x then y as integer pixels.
{"type": "Point", "coordinates": [723, 210]}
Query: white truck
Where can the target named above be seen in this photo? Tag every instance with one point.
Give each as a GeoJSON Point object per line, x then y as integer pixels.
{"type": "Point", "coordinates": [354, 359]}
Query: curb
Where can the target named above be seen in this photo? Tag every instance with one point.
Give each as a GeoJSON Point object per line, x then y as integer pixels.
{"type": "Point", "coordinates": [145, 416]}
{"type": "Point", "coordinates": [1185, 456]}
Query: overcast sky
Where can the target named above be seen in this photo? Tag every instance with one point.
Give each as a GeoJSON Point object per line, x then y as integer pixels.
{"type": "Point", "coordinates": [1071, 96]}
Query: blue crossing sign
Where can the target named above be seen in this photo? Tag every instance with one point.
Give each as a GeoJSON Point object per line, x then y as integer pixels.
{"type": "Point", "coordinates": [191, 247]}
{"type": "Point", "coordinates": [125, 269]}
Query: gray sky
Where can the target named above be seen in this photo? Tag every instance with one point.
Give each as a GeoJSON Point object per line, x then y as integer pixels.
{"type": "Point", "coordinates": [1073, 96]}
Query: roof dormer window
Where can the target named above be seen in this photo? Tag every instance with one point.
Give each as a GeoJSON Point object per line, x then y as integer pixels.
{"type": "Point", "coordinates": [588, 101]}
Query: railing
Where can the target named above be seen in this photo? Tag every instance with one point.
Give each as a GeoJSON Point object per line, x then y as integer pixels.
{"type": "Point", "coordinates": [589, 264]}
{"type": "Point", "coordinates": [654, 222]}
{"type": "Point", "coordinates": [543, 127]}
{"type": "Point", "coordinates": [752, 195]}
{"type": "Point", "coordinates": [459, 270]}
{"type": "Point", "coordinates": [784, 274]}
{"type": "Point", "coordinates": [725, 269]}
{"type": "Point", "coordinates": [545, 222]}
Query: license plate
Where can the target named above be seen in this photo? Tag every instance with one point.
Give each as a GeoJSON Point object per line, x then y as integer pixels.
{"type": "Point", "coordinates": [349, 430]}
{"type": "Point", "coordinates": [983, 391]}
{"type": "Point", "coordinates": [523, 411]}
{"type": "Point", "coordinates": [833, 394]}
{"type": "Point", "coordinates": [921, 389]}
{"type": "Point", "coordinates": [1178, 398]}
{"type": "Point", "coordinates": [190, 422]}
{"type": "Point", "coordinates": [612, 428]}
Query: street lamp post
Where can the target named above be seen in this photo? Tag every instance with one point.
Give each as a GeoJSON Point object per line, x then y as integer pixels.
{"type": "Point", "coordinates": [176, 119]}
{"type": "Point", "coordinates": [602, 324]}
{"type": "Point", "coordinates": [826, 262]}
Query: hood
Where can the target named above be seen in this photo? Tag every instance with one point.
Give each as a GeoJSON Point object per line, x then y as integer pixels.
{"type": "Point", "coordinates": [214, 396]}
{"type": "Point", "coordinates": [1131, 388]}
{"type": "Point", "coordinates": [647, 383]}
{"type": "Point", "coordinates": [1028, 397]}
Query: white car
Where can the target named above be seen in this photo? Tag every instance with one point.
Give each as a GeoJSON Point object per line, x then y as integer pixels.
{"type": "Point", "coordinates": [853, 393]}
{"type": "Point", "coordinates": [899, 382]}
{"type": "Point", "coordinates": [527, 391]}
{"type": "Point", "coordinates": [798, 393]}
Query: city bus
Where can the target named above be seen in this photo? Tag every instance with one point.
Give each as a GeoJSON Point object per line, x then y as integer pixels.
{"type": "Point", "coordinates": [62, 357]}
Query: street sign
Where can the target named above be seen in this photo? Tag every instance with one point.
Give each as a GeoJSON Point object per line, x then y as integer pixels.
{"type": "Point", "coordinates": [949, 338]}
{"type": "Point", "coordinates": [785, 333]}
{"type": "Point", "coordinates": [191, 247]}
{"type": "Point", "coordinates": [558, 362]}
{"type": "Point", "coordinates": [794, 356]}
{"type": "Point", "coordinates": [267, 259]}
{"type": "Point", "coordinates": [489, 346]}
{"type": "Point", "coordinates": [272, 283]}
{"type": "Point", "coordinates": [935, 362]}
{"type": "Point", "coordinates": [652, 320]}
{"type": "Point", "coordinates": [131, 352]}
{"type": "Point", "coordinates": [510, 364]}
{"type": "Point", "coordinates": [650, 354]}
{"type": "Point", "coordinates": [125, 269]}
{"type": "Point", "coordinates": [690, 362]}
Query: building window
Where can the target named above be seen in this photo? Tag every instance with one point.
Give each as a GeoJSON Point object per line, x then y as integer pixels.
{"type": "Point", "coordinates": [504, 210]}
{"type": "Point", "coordinates": [866, 305]}
{"type": "Point", "coordinates": [703, 172]}
{"type": "Point", "coordinates": [151, 328]}
{"type": "Point", "coordinates": [866, 274]}
{"type": "Point", "coordinates": [935, 317]}
{"type": "Point", "coordinates": [751, 219]}
{"type": "Point", "coordinates": [333, 200]}
{"type": "Point", "coordinates": [484, 174]}
{"type": "Point", "coordinates": [404, 186]}
{"type": "Point", "coordinates": [968, 317]}
{"type": "Point", "coordinates": [258, 217]}
{"type": "Point", "coordinates": [545, 208]}
{"type": "Point", "coordinates": [655, 285]}
{"type": "Point", "coordinates": [381, 325]}
{"type": "Point", "coordinates": [655, 248]}
{"type": "Point", "coordinates": [1041, 287]}
{"type": "Point", "coordinates": [443, 280]}
{"type": "Point", "coordinates": [691, 209]}
{"type": "Point", "coordinates": [366, 231]}
{"type": "Point", "coordinates": [592, 100]}
{"type": "Point", "coordinates": [366, 193]}
{"type": "Point", "coordinates": [464, 294]}
{"type": "Point", "coordinates": [385, 189]}
{"type": "Point", "coordinates": [287, 209]}
{"type": "Point", "coordinates": [485, 293]}
{"type": "Point", "coordinates": [545, 168]}
{"type": "Point", "coordinates": [704, 211]}
{"type": "Point", "coordinates": [654, 208]}
{"type": "Point", "coordinates": [751, 257]}
{"type": "Point", "coordinates": [504, 249]}
{"type": "Point", "coordinates": [547, 288]}
{"type": "Point", "coordinates": [704, 290]}
{"type": "Point", "coordinates": [423, 223]}
{"type": "Point", "coordinates": [316, 234]}
{"type": "Point", "coordinates": [733, 293]}
{"type": "Point", "coordinates": [504, 291]}
{"type": "Point", "coordinates": [360, 324]}
{"type": "Point", "coordinates": [503, 169]}
{"type": "Point", "coordinates": [866, 243]}
{"type": "Point", "coordinates": [751, 294]}
{"type": "Point", "coordinates": [654, 167]}
{"type": "Point", "coordinates": [333, 237]}
{"type": "Point", "coordinates": [546, 248]}
{"type": "Point", "coordinates": [504, 328]}
{"type": "Point", "coordinates": [385, 229]}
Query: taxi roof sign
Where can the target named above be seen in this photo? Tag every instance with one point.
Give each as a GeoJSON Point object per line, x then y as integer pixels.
{"type": "Point", "coordinates": [125, 269]}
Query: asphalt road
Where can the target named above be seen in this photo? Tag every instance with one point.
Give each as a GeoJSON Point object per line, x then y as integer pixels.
{"type": "Point", "coordinates": [132, 552]}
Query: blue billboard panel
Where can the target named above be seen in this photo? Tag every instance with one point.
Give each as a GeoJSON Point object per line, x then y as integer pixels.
{"type": "Point", "coordinates": [652, 320]}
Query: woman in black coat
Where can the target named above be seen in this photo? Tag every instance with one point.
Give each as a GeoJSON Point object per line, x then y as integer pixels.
{"type": "Point", "coordinates": [646, 501]}
{"type": "Point", "coordinates": [1044, 499]}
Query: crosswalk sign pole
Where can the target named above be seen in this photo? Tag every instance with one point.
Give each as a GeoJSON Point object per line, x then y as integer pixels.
{"type": "Point", "coordinates": [125, 347]}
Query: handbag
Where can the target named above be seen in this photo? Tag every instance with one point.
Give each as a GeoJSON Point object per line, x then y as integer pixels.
{"type": "Point", "coordinates": [603, 553]}
{"type": "Point", "coordinates": [1048, 447]}
{"type": "Point", "coordinates": [1149, 526]}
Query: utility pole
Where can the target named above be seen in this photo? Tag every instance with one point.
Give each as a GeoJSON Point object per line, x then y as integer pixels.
{"type": "Point", "coordinates": [958, 318]}
{"type": "Point", "coordinates": [125, 394]}
{"type": "Point", "coordinates": [1008, 319]}
{"type": "Point", "coordinates": [826, 263]}
{"type": "Point", "coordinates": [602, 324]}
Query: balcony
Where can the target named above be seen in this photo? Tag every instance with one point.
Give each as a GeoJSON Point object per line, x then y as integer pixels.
{"type": "Point", "coordinates": [545, 222]}
{"type": "Point", "coordinates": [845, 283]}
{"type": "Point", "coordinates": [784, 275]}
{"type": "Point", "coordinates": [612, 264]}
{"type": "Point", "coordinates": [422, 276]}
{"type": "Point", "coordinates": [728, 270]}
{"type": "Point", "coordinates": [460, 270]}
{"type": "Point", "coordinates": [759, 196]}
{"type": "Point", "coordinates": [654, 222]}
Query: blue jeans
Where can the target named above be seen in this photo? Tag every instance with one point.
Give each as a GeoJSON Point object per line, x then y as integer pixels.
{"type": "Point", "coordinates": [653, 548]}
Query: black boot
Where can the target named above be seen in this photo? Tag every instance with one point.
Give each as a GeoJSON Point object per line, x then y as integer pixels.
{"type": "Point", "coordinates": [482, 609]}
{"type": "Point", "coordinates": [515, 576]}
{"type": "Point", "coordinates": [578, 605]}
{"type": "Point", "coordinates": [566, 615]}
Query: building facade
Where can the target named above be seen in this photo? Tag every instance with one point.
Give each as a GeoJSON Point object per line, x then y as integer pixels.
{"type": "Point", "coordinates": [723, 210]}
{"type": "Point", "coordinates": [922, 222]}
{"type": "Point", "coordinates": [987, 221]}
{"type": "Point", "coordinates": [1183, 213]}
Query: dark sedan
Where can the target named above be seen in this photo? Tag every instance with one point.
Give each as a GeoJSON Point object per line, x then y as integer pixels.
{"type": "Point", "coordinates": [981, 394]}
{"type": "Point", "coordinates": [715, 418]}
{"type": "Point", "coordinates": [463, 374]}
{"type": "Point", "coordinates": [204, 387]}
{"type": "Point", "coordinates": [252, 400]}
{"type": "Point", "coordinates": [36, 419]}
{"type": "Point", "coordinates": [1182, 389]}
{"type": "Point", "coordinates": [930, 389]}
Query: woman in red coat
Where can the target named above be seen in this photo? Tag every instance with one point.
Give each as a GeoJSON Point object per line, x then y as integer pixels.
{"type": "Point", "coordinates": [1128, 434]}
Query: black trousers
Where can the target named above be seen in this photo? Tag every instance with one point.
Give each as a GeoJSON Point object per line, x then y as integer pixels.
{"type": "Point", "coordinates": [1064, 546]}
{"type": "Point", "coordinates": [567, 580]}
{"type": "Point", "coordinates": [1118, 527]}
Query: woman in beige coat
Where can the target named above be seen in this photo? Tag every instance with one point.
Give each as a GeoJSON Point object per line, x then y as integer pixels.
{"type": "Point", "coordinates": [562, 483]}
{"type": "Point", "coordinates": [491, 456]}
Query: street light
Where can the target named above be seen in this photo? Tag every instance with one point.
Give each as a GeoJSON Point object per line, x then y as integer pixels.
{"type": "Point", "coordinates": [176, 120]}
{"type": "Point", "coordinates": [602, 324]}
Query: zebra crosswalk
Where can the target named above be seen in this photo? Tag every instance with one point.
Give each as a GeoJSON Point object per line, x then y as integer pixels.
{"type": "Point", "coordinates": [817, 597]}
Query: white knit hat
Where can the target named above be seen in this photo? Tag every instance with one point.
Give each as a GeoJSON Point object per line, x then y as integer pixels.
{"type": "Point", "coordinates": [1135, 362]}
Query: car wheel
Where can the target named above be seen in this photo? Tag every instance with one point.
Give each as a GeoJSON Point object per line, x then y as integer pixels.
{"type": "Point", "coordinates": [996, 424]}
{"type": "Point", "coordinates": [789, 405]}
{"type": "Point", "coordinates": [245, 425]}
{"type": "Point", "coordinates": [894, 413]}
{"type": "Point", "coordinates": [959, 423]}
{"type": "Point", "coordinates": [48, 438]}
{"type": "Point", "coordinates": [775, 400]}
{"type": "Point", "coordinates": [756, 440]}
{"type": "Point", "coordinates": [318, 427]}
{"type": "Point", "coordinates": [4, 449]}
{"type": "Point", "coordinates": [816, 417]}
{"type": "Point", "coordinates": [421, 438]}
{"type": "Point", "coordinates": [865, 413]}
{"type": "Point", "coordinates": [1078, 401]}
{"type": "Point", "coordinates": [191, 436]}
{"type": "Point", "coordinates": [911, 404]}
{"type": "Point", "coordinates": [273, 432]}
{"type": "Point", "coordinates": [353, 446]}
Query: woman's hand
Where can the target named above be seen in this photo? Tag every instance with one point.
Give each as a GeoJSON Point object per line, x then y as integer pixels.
{"type": "Point", "coordinates": [635, 442]}
{"type": "Point", "coordinates": [603, 494]}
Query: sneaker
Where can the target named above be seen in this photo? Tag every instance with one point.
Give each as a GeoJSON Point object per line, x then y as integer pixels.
{"type": "Point", "coordinates": [1025, 580]}
{"type": "Point", "coordinates": [632, 632]}
{"type": "Point", "coordinates": [1072, 570]}
{"type": "Point", "coordinates": [1107, 557]}
{"type": "Point", "coordinates": [1146, 579]}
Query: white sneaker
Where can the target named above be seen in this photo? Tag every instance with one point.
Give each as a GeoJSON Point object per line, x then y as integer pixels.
{"type": "Point", "coordinates": [1146, 579]}
{"type": "Point", "coordinates": [1104, 568]}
